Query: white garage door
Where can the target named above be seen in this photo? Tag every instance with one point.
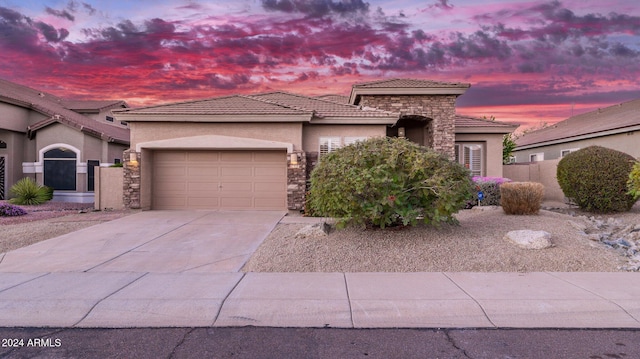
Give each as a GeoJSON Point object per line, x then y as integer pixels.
{"type": "Point", "coordinates": [219, 180]}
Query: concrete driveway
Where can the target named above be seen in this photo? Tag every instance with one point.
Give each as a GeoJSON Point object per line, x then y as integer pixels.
{"type": "Point", "coordinates": [152, 242]}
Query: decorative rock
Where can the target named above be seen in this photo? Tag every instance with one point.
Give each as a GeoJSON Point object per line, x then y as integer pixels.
{"type": "Point", "coordinates": [579, 226]}
{"type": "Point", "coordinates": [313, 230]}
{"type": "Point", "coordinates": [529, 239]}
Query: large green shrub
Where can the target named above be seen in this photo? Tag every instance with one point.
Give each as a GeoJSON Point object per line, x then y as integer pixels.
{"type": "Point", "coordinates": [27, 192]}
{"type": "Point", "coordinates": [595, 178]}
{"type": "Point", "coordinates": [388, 182]}
{"type": "Point", "coordinates": [633, 183]}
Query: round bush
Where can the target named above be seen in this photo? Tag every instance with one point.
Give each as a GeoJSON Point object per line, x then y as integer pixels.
{"type": "Point", "coordinates": [595, 178]}
{"type": "Point", "coordinates": [388, 182]}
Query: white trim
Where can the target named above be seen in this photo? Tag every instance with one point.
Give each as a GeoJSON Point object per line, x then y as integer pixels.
{"type": "Point", "coordinates": [539, 155]}
{"type": "Point", "coordinates": [568, 150]}
{"type": "Point", "coordinates": [211, 142]}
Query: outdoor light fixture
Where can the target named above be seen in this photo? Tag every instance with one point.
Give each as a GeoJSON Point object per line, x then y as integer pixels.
{"type": "Point", "coordinates": [294, 158]}
{"type": "Point", "coordinates": [133, 158]}
{"type": "Point", "coordinates": [401, 132]}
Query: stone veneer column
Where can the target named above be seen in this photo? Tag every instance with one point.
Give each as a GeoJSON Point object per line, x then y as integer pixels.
{"type": "Point", "coordinates": [296, 181]}
{"type": "Point", "coordinates": [441, 109]}
{"type": "Point", "coordinates": [131, 193]}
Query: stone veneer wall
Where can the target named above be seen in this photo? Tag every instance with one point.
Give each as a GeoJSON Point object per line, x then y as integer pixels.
{"type": "Point", "coordinates": [440, 108]}
{"type": "Point", "coordinates": [131, 185]}
{"type": "Point", "coordinates": [296, 181]}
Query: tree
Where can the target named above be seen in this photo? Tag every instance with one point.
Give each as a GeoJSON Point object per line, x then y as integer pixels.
{"type": "Point", "coordinates": [508, 145]}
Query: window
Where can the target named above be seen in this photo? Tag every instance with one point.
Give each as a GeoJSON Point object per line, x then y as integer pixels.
{"type": "Point", "coordinates": [471, 156]}
{"type": "Point", "coordinates": [124, 123]}
{"type": "Point", "coordinates": [536, 157]}
{"type": "Point", "coordinates": [330, 144]}
{"type": "Point", "coordinates": [566, 152]}
{"type": "Point", "coordinates": [91, 174]}
{"type": "Point", "coordinates": [109, 119]}
{"type": "Point", "coordinates": [60, 169]}
{"type": "Point", "coordinates": [3, 144]}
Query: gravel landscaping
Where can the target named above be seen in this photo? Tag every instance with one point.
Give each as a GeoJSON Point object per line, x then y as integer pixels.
{"type": "Point", "coordinates": [476, 245]}
{"type": "Point", "coordinates": [50, 220]}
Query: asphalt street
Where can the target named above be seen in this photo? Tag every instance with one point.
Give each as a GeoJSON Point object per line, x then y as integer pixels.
{"type": "Point", "coordinates": [260, 342]}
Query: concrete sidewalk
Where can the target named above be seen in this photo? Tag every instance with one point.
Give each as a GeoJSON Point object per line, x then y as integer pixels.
{"type": "Point", "coordinates": [343, 300]}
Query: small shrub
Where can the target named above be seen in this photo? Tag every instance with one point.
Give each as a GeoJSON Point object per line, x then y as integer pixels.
{"type": "Point", "coordinates": [633, 183]}
{"type": "Point", "coordinates": [119, 164]}
{"type": "Point", "coordinates": [386, 182]}
{"type": "Point", "coordinates": [521, 197]}
{"type": "Point", "coordinates": [27, 192]}
{"type": "Point", "coordinates": [595, 178]}
{"type": "Point", "coordinates": [9, 210]}
{"type": "Point", "coordinates": [490, 187]}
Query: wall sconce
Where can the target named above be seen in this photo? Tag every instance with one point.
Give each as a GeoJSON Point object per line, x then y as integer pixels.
{"type": "Point", "coordinates": [133, 158]}
{"type": "Point", "coordinates": [294, 159]}
{"type": "Point", "coordinates": [401, 132]}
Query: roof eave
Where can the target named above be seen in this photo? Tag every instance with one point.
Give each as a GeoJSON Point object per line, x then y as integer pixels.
{"type": "Point", "coordinates": [486, 129]}
{"type": "Point", "coordinates": [210, 118]}
{"type": "Point", "coordinates": [356, 92]}
{"type": "Point", "coordinates": [354, 121]}
{"type": "Point", "coordinates": [578, 138]}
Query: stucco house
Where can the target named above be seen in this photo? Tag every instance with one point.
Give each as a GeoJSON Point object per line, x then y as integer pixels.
{"type": "Point", "coordinates": [256, 151]}
{"type": "Point", "coordinates": [56, 141]}
{"type": "Point", "coordinates": [616, 127]}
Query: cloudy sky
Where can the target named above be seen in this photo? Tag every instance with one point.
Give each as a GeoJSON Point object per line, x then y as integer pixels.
{"type": "Point", "coordinates": [527, 61]}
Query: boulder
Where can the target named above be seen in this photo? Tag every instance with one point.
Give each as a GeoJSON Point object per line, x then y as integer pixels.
{"type": "Point", "coordinates": [313, 230]}
{"type": "Point", "coordinates": [529, 239]}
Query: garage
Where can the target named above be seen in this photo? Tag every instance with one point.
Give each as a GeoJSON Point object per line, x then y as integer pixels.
{"type": "Point", "coordinates": [228, 179]}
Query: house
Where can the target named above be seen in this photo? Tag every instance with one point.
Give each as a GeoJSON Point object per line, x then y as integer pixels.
{"type": "Point", "coordinates": [616, 127]}
{"type": "Point", "coordinates": [257, 151]}
{"type": "Point", "coordinates": [56, 141]}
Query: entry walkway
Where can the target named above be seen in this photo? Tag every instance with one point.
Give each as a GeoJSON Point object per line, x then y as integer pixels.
{"type": "Point", "coordinates": [155, 269]}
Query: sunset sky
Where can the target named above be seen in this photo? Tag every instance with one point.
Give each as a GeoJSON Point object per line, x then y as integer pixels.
{"type": "Point", "coordinates": [528, 62]}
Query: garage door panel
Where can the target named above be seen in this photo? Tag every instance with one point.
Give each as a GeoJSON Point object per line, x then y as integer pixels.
{"type": "Point", "coordinates": [219, 180]}
{"type": "Point", "coordinates": [203, 156]}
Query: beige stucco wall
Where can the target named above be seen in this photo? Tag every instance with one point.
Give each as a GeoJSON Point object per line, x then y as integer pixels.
{"type": "Point", "coordinates": [13, 118]}
{"type": "Point", "coordinates": [109, 188]}
{"type": "Point", "coordinates": [312, 133]}
{"type": "Point", "coordinates": [543, 172]}
{"type": "Point", "coordinates": [624, 142]}
{"type": "Point", "coordinates": [492, 150]}
{"type": "Point", "coordinates": [153, 131]}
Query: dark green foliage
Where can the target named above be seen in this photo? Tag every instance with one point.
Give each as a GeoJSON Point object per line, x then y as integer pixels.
{"type": "Point", "coordinates": [120, 164]}
{"type": "Point", "coordinates": [490, 187]}
{"type": "Point", "coordinates": [386, 182]}
{"type": "Point", "coordinates": [595, 178]}
{"type": "Point", "coordinates": [633, 183]}
{"type": "Point", "coordinates": [27, 192]}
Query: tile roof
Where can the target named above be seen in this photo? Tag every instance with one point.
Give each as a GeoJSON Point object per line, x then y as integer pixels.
{"type": "Point", "coordinates": [50, 105]}
{"type": "Point", "coordinates": [89, 105]}
{"type": "Point", "coordinates": [322, 108]}
{"type": "Point", "coordinates": [466, 121]}
{"type": "Point", "coordinates": [616, 117]}
{"type": "Point", "coordinates": [227, 105]}
{"type": "Point", "coordinates": [335, 98]}
{"type": "Point", "coordinates": [410, 83]}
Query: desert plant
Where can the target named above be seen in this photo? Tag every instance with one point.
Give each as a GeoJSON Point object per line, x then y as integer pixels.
{"type": "Point", "coordinates": [521, 197]}
{"type": "Point", "coordinates": [119, 164]}
{"type": "Point", "coordinates": [595, 178]}
{"type": "Point", "coordinates": [633, 183]}
{"type": "Point", "coordinates": [27, 192]}
{"type": "Point", "coordinates": [9, 210]}
{"type": "Point", "coordinates": [388, 182]}
{"type": "Point", "coordinates": [490, 187]}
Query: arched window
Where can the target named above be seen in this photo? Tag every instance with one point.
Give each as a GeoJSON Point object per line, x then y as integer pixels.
{"type": "Point", "coordinates": [60, 169]}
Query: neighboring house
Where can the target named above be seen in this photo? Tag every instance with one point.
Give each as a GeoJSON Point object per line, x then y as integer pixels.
{"type": "Point", "coordinates": [42, 137]}
{"type": "Point", "coordinates": [616, 127]}
{"type": "Point", "coordinates": [257, 151]}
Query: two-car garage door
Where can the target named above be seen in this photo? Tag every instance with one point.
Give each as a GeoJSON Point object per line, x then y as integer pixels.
{"type": "Point", "coordinates": [187, 179]}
